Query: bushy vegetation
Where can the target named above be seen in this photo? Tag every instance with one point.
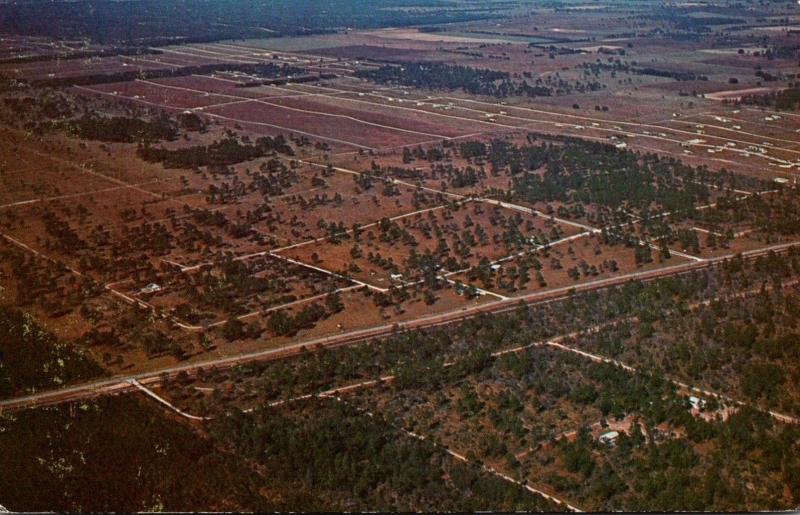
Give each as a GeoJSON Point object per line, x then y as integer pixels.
{"type": "Point", "coordinates": [631, 68]}
{"type": "Point", "coordinates": [574, 170]}
{"type": "Point", "coordinates": [357, 462]}
{"type": "Point", "coordinates": [606, 185]}
{"type": "Point", "coordinates": [116, 454]}
{"type": "Point", "coordinates": [122, 129]}
{"type": "Point", "coordinates": [531, 400]}
{"type": "Point", "coordinates": [437, 76]}
{"type": "Point", "coordinates": [31, 358]}
{"type": "Point", "coordinates": [746, 346]}
{"type": "Point", "coordinates": [786, 99]}
{"type": "Point", "coordinates": [476, 81]}
{"type": "Point", "coordinates": [745, 462]}
{"type": "Point", "coordinates": [490, 408]}
{"type": "Point", "coordinates": [419, 356]}
{"type": "Point", "coordinates": [227, 151]}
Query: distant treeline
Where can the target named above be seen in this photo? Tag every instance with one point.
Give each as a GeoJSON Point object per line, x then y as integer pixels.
{"type": "Point", "coordinates": [559, 50]}
{"type": "Point", "coordinates": [784, 100]}
{"type": "Point", "coordinates": [638, 70]}
{"type": "Point", "coordinates": [669, 74]}
{"type": "Point", "coordinates": [475, 81]}
{"type": "Point", "coordinates": [782, 52]}
{"type": "Point", "coordinates": [122, 129]}
{"type": "Point", "coordinates": [437, 76]}
{"type": "Point", "coordinates": [268, 70]}
{"type": "Point", "coordinates": [169, 22]}
{"type": "Point", "coordinates": [81, 54]}
{"type": "Point", "coordinates": [286, 80]}
{"type": "Point", "coordinates": [227, 151]}
{"type": "Point", "coordinates": [680, 19]}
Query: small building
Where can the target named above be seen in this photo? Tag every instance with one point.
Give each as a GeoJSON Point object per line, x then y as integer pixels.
{"type": "Point", "coordinates": [495, 267]}
{"type": "Point", "coordinates": [609, 438]}
{"type": "Point", "coordinates": [151, 288]}
{"type": "Point", "coordinates": [396, 277]}
{"type": "Point", "coordinates": [696, 402]}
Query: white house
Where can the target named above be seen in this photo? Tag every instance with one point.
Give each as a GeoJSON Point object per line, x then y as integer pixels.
{"type": "Point", "coordinates": [151, 288]}
{"type": "Point", "coordinates": [696, 402]}
{"type": "Point", "coordinates": [609, 438]}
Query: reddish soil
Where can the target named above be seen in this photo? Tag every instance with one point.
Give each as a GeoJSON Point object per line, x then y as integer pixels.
{"type": "Point", "coordinates": [336, 128]}
{"type": "Point", "coordinates": [167, 97]}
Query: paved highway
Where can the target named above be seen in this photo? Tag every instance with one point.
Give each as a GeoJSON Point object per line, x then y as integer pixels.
{"type": "Point", "coordinates": [121, 384]}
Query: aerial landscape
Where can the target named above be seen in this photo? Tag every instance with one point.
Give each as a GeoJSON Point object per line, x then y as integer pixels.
{"type": "Point", "coordinates": [399, 255]}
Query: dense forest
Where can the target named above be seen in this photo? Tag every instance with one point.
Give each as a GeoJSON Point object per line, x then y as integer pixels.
{"type": "Point", "coordinates": [437, 76]}
{"type": "Point", "coordinates": [122, 129]}
{"type": "Point", "coordinates": [119, 454]}
{"type": "Point", "coordinates": [227, 151]}
{"type": "Point", "coordinates": [476, 81]}
{"type": "Point", "coordinates": [747, 346]}
{"type": "Point", "coordinates": [142, 22]}
{"type": "Point", "coordinates": [363, 463]}
{"type": "Point", "coordinates": [574, 170]}
{"type": "Point", "coordinates": [786, 99]}
{"type": "Point", "coordinates": [528, 400]}
{"type": "Point", "coordinates": [31, 358]}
